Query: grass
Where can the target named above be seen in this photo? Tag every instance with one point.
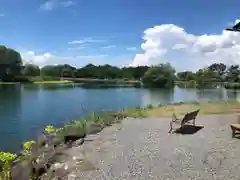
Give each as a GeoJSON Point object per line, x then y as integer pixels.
{"type": "Point", "coordinates": [6, 83]}
{"type": "Point", "coordinates": [40, 82]}
{"type": "Point", "coordinates": [52, 82]}
{"type": "Point", "coordinates": [206, 107]}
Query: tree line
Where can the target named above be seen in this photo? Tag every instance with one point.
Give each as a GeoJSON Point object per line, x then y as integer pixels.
{"type": "Point", "coordinates": [162, 75]}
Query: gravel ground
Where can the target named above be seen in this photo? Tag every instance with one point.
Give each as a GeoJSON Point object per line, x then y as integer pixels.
{"type": "Point", "coordinates": [142, 149]}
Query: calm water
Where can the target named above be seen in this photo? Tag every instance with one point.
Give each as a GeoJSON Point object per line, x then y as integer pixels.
{"type": "Point", "coordinates": [24, 110]}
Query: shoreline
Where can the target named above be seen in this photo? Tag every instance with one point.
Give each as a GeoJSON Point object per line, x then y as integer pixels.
{"type": "Point", "coordinates": [95, 123]}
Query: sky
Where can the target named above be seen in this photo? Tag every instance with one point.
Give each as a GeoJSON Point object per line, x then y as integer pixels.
{"type": "Point", "coordinates": [188, 34]}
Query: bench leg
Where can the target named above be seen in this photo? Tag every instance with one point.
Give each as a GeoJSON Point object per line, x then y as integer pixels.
{"type": "Point", "coordinates": [194, 122]}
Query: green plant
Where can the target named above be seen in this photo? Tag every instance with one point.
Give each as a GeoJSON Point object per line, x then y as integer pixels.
{"type": "Point", "coordinates": [27, 146]}
{"type": "Point", "coordinates": [149, 106]}
{"type": "Point", "coordinates": [49, 129]}
{"type": "Point", "coordinates": [59, 130]}
{"type": "Point", "coordinates": [6, 158]}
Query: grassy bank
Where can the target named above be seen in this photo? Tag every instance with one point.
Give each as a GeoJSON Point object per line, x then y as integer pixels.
{"type": "Point", "coordinates": [52, 82]}
{"type": "Point", "coordinates": [206, 107]}
{"type": "Point", "coordinates": [59, 140]}
{"type": "Point", "coordinates": [38, 82]}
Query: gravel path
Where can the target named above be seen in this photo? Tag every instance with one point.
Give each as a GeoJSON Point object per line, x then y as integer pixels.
{"type": "Point", "coordinates": [142, 149]}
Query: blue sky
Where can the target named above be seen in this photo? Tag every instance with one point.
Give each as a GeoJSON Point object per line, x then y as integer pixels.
{"type": "Point", "coordinates": [112, 31]}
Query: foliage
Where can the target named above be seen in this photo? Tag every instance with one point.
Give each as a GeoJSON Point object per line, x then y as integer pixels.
{"type": "Point", "coordinates": [49, 129]}
{"type": "Point", "coordinates": [6, 159]}
{"type": "Point", "coordinates": [186, 76]}
{"type": "Point", "coordinates": [31, 70]}
{"type": "Point", "coordinates": [27, 146]}
{"type": "Point", "coordinates": [233, 73]}
{"type": "Point", "coordinates": [10, 63]}
{"type": "Point", "coordinates": [162, 76]}
{"type": "Point", "coordinates": [208, 76]}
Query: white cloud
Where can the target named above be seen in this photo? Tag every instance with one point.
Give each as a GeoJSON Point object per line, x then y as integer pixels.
{"type": "Point", "coordinates": [43, 59]}
{"type": "Point", "coordinates": [52, 4]}
{"type": "Point", "coordinates": [185, 51]}
{"type": "Point", "coordinates": [131, 48]}
{"type": "Point", "coordinates": [49, 5]}
{"type": "Point", "coordinates": [2, 15]}
{"type": "Point", "coordinates": [109, 47]}
{"type": "Point", "coordinates": [86, 41]}
{"type": "Point", "coordinates": [47, 58]}
{"type": "Point", "coordinates": [67, 3]}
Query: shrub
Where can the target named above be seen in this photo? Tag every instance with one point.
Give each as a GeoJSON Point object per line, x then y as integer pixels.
{"type": "Point", "coordinates": [6, 159]}
{"type": "Point", "coordinates": [27, 146]}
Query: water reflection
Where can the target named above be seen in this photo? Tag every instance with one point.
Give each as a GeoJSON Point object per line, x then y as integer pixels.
{"type": "Point", "coordinates": [10, 112]}
{"type": "Point", "coordinates": [157, 96]}
{"type": "Point", "coordinates": [232, 94]}
{"type": "Point", "coordinates": [210, 94]}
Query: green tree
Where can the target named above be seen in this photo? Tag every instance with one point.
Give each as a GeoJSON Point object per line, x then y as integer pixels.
{"type": "Point", "coordinates": [218, 70]}
{"type": "Point", "coordinates": [186, 76]}
{"type": "Point", "coordinates": [204, 78]}
{"type": "Point", "coordinates": [31, 70]}
{"type": "Point", "coordinates": [233, 74]}
{"type": "Point", "coordinates": [162, 76]}
{"type": "Point", "coordinates": [10, 63]}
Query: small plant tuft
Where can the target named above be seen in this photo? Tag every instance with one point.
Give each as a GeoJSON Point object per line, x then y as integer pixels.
{"type": "Point", "coordinates": [49, 129]}
{"type": "Point", "coordinates": [27, 146]}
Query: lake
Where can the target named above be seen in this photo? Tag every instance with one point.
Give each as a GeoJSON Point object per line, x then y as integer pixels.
{"type": "Point", "coordinates": [26, 109]}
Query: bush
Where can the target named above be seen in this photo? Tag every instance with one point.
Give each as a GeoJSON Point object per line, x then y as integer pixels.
{"type": "Point", "coordinates": [161, 76]}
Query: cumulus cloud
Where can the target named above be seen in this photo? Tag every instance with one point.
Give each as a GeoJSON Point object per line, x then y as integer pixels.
{"type": "Point", "coordinates": [47, 58]}
{"type": "Point", "coordinates": [186, 51]}
{"type": "Point", "coordinates": [42, 59]}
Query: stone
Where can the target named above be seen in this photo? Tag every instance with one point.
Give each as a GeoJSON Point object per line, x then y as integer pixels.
{"type": "Point", "coordinates": [21, 171]}
{"type": "Point", "coordinates": [95, 128]}
{"type": "Point", "coordinates": [73, 137]}
{"type": "Point", "coordinates": [78, 142]}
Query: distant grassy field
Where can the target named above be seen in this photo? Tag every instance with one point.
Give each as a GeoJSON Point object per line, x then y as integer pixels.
{"type": "Point", "coordinates": [3, 83]}
{"type": "Point", "coordinates": [52, 82]}
{"type": "Point", "coordinates": [206, 107]}
{"type": "Point", "coordinates": [39, 82]}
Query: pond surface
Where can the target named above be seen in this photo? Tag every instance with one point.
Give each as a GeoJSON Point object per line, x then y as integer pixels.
{"type": "Point", "coordinates": [26, 109]}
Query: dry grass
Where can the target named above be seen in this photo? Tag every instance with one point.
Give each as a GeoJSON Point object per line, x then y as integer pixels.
{"type": "Point", "coordinates": [210, 107]}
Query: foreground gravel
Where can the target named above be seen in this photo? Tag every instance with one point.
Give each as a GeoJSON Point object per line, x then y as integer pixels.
{"type": "Point", "coordinates": [142, 149]}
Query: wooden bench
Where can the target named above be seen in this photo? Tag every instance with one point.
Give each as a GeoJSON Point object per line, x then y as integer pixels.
{"type": "Point", "coordinates": [188, 117]}
{"type": "Point", "coordinates": [235, 129]}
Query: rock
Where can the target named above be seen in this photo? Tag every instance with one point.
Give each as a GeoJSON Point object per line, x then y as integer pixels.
{"type": "Point", "coordinates": [73, 137]}
{"type": "Point", "coordinates": [78, 142]}
{"type": "Point", "coordinates": [21, 171]}
{"type": "Point", "coordinates": [95, 128]}
{"type": "Point", "coordinates": [72, 176]}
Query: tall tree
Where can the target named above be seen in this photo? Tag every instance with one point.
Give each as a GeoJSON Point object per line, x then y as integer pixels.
{"type": "Point", "coordinates": [10, 63]}
{"type": "Point", "coordinates": [31, 70]}
{"type": "Point", "coordinates": [186, 76]}
{"type": "Point", "coordinates": [233, 73]}
{"type": "Point", "coordinates": [162, 76]}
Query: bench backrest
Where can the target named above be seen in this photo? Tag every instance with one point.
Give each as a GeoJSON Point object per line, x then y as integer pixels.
{"type": "Point", "coordinates": [190, 116]}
